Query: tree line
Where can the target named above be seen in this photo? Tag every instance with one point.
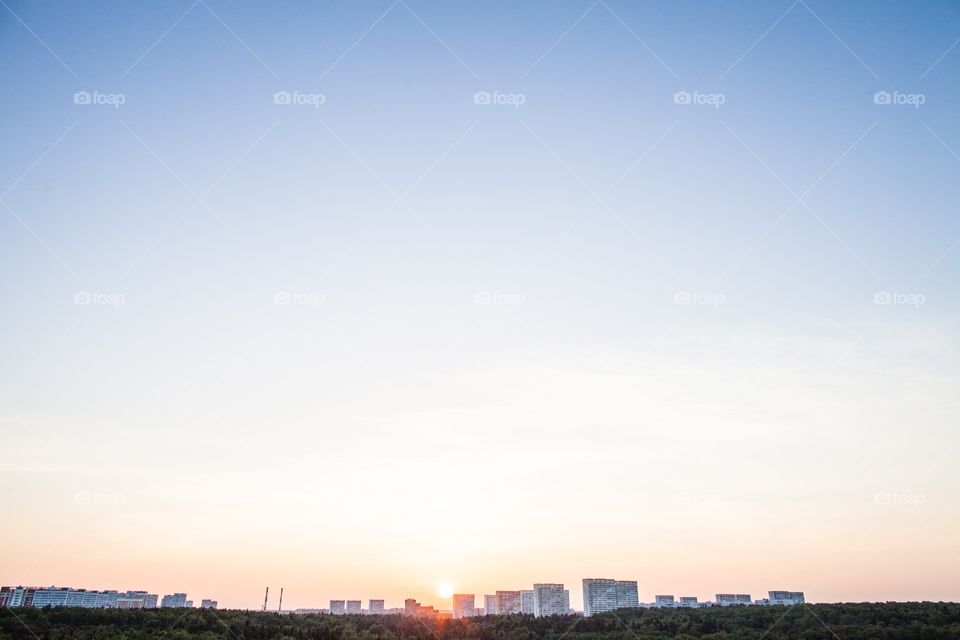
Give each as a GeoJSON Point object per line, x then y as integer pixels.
{"type": "Point", "coordinates": [867, 621]}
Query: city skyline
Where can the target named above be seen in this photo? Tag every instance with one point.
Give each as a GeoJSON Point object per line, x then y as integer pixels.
{"type": "Point", "coordinates": [400, 299]}
{"type": "Point", "coordinates": [601, 595]}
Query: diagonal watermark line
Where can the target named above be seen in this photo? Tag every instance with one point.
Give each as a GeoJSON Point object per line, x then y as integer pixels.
{"type": "Point", "coordinates": [399, 198]}
{"type": "Point", "coordinates": [599, 199]}
{"type": "Point", "coordinates": [560, 160]}
{"type": "Point", "coordinates": [40, 240]}
{"type": "Point", "coordinates": [940, 541]}
{"type": "Point", "coordinates": [759, 40]}
{"type": "Point", "coordinates": [157, 41]}
{"type": "Point", "coordinates": [798, 201]}
{"type": "Point", "coordinates": [39, 158]}
{"type": "Point", "coordinates": [957, 241]}
{"type": "Point", "coordinates": [20, 620]}
{"type": "Point", "coordinates": [40, 40]}
{"type": "Point", "coordinates": [760, 160]}
{"type": "Point", "coordinates": [839, 39]}
{"type": "Point", "coordinates": [159, 240]}
{"type": "Point", "coordinates": [239, 39]}
{"type": "Point", "coordinates": [937, 337]}
{"type": "Point", "coordinates": [940, 140]}
{"type": "Point", "coordinates": [938, 60]}
{"type": "Point", "coordinates": [557, 41]}
{"type": "Point", "coordinates": [814, 614]}
{"type": "Point", "coordinates": [639, 39]}
{"type": "Point", "coordinates": [841, 241]}
{"type": "Point", "coordinates": [643, 155]}
{"type": "Point", "coordinates": [943, 255]}
{"type": "Point", "coordinates": [198, 199]}
{"type": "Point", "coordinates": [159, 159]}
{"type": "Point", "coordinates": [358, 40]}
{"type": "Point", "coordinates": [438, 39]}
{"type": "Point", "coordinates": [39, 361]}
{"type": "Point", "coordinates": [22, 222]}
{"type": "Point", "coordinates": [239, 159]}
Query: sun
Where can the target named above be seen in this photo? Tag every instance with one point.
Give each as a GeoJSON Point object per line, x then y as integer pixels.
{"type": "Point", "coordinates": [444, 589]}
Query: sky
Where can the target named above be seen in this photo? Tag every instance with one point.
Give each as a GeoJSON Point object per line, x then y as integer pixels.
{"type": "Point", "coordinates": [358, 298]}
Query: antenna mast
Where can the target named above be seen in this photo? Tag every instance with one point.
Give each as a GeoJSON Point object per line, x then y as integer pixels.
{"type": "Point", "coordinates": [280, 608]}
{"type": "Point", "coordinates": [265, 596]}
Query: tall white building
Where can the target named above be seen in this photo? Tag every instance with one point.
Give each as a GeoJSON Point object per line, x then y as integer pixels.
{"type": "Point", "coordinates": [353, 606]}
{"type": "Point", "coordinates": [376, 607]}
{"type": "Point", "coordinates": [489, 605]}
{"type": "Point", "coordinates": [627, 595]}
{"type": "Point", "coordinates": [508, 602]}
{"type": "Point", "coordinates": [175, 600]}
{"type": "Point", "coordinates": [604, 594]}
{"type": "Point", "coordinates": [599, 595]}
{"type": "Point", "coordinates": [550, 599]}
{"type": "Point", "coordinates": [338, 607]}
{"type": "Point", "coordinates": [526, 601]}
{"type": "Point", "coordinates": [464, 605]}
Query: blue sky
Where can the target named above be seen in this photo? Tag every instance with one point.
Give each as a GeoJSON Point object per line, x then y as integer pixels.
{"type": "Point", "coordinates": [464, 275]}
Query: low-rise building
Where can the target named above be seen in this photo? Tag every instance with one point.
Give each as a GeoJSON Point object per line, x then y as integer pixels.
{"type": "Point", "coordinates": [664, 601]}
{"type": "Point", "coordinates": [729, 599]}
{"type": "Point", "coordinates": [786, 597]}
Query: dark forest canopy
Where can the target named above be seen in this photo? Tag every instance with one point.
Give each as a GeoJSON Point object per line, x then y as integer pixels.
{"type": "Point", "coordinates": [890, 621]}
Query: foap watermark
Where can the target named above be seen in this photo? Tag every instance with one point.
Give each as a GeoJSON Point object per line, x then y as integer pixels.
{"type": "Point", "coordinates": [99, 298]}
{"type": "Point", "coordinates": [714, 100]}
{"type": "Point", "coordinates": [898, 98]}
{"type": "Point", "coordinates": [96, 499]}
{"type": "Point", "coordinates": [897, 499]}
{"type": "Point", "coordinates": [99, 98]}
{"type": "Point", "coordinates": [298, 298]}
{"type": "Point", "coordinates": [914, 300]}
{"type": "Point", "coordinates": [299, 98]}
{"type": "Point", "coordinates": [699, 298]}
{"type": "Point", "coordinates": [515, 100]}
{"type": "Point", "coordinates": [498, 298]}
{"type": "Point", "coordinates": [697, 499]}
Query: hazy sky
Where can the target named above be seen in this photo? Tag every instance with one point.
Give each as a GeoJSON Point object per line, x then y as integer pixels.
{"type": "Point", "coordinates": [358, 297]}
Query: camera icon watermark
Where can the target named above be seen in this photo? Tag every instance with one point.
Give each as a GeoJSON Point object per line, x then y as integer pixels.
{"type": "Point", "coordinates": [114, 300]}
{"type": "Point", "coordinates": [299, 98]}
{"type": "Point", "coordinates": [515, 100]}
{"type": "Point", "coordinates": [715, 100]}
{"type": "Point", "coordinates": [115, 100]}
{"type": "Point", "coordinates": [96, 499]}
{"type": "Point", "coordinates": [898, 98]}
{"type": "Point", "coordinates": [298, 298]}
{"type": "Point", "coordinates": [699, 298]}
{"type": "Point", "coordinates": [915, 300]}
{"type": "Point", "coordinates": [894, 498]}
{"type": "Point", "coordinates": [698, 499]}
{"type": "Point", "coordinates": [498, 298]}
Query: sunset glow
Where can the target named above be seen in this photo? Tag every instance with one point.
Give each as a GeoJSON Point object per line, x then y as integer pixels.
{"type": "Point", "coordinates": [376, 300]}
